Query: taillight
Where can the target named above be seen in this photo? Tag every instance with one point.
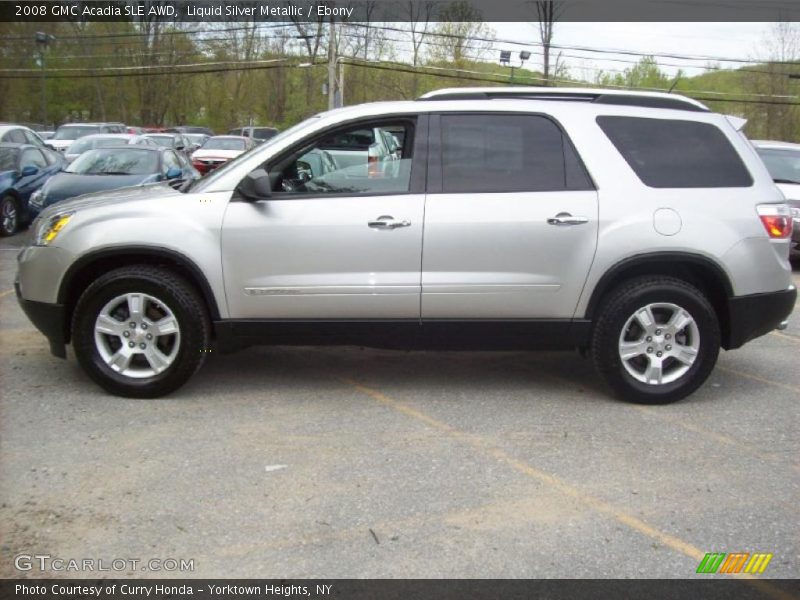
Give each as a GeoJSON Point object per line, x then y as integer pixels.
{"type": "Point", "coordinates": [777, 220]}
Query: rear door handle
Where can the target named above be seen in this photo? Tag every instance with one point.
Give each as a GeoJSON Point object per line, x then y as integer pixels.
{"type": "Point", "coordinates": [387, 222]}
{"type": "Point", "coordinates": [567, 219]}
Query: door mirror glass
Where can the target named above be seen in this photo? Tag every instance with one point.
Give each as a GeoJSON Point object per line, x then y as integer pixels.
{"type": "Point", "coordinates": [173, 173]}
{"type": "Point", "coordinates": [29, 170]}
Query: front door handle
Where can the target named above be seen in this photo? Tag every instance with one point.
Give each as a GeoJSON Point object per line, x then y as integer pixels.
{"type": "Point", "coordinates": [565, 218]}
{"type": "Point", "coordinates": [387, 222]}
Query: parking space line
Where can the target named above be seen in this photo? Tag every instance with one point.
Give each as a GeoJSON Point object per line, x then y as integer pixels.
{"type": "Point", "coordinates": [6, 293]}
{"type": "Point", "coordinates": [785, 386]}
{"type": "Point", "coordinates": [565, 488]}
{"type": "Point", "coordinates": [786, 336]}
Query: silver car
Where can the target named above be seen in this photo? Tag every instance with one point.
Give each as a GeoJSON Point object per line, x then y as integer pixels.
{"type": "Point", "coordinates": [639, 228]}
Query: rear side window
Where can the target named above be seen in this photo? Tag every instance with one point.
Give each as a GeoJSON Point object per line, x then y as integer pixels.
{"type": "Point", "coordinates": [670, 153]}
{"type": "Point", "coordinates": [508, 153]}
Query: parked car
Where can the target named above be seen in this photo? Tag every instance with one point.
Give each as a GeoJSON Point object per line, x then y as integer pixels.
{"type": "Point", "coordinates": [783, 163]}
{"type": "Point", "coordinates": [45, 135]}
{"type": "Point", "coordinates": [68, 133]}
{"type": "Point", "coordinates": [174, 141]}
{"type": "Point", "coordinates": [258, 134]}
{"type": "Point", "coordinates": [195, 140]}
{"type": "Point", "coordinates": [24, 168]}
{"type": "Point", "coordinates": [19, 134]}
{"type": "Point", "coordinates": [191, 129]}
{"type": "Point", "coordinates": [640, 228]}
{"type": "Point", "coordinates": [104, 140]}
{"type": "Point", "coordinates": [218, 150]}
{"type": "Point", "coordinates": [105, 169]}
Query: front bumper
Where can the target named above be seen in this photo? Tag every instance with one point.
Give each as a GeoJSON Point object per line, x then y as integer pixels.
{"type": "Point", "coordinates": [50, 319]}
{"type": "Point", "coordinates": [757, 314]}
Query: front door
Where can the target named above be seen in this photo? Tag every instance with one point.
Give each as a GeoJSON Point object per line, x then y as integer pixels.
{"type": "Point", "coordinates": [341, 236]}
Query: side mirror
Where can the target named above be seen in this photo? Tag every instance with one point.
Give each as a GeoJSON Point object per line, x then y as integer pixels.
{"type": "Point", "coordinates": [173, 173]}
{"type": "Point", "coordinates": [29, 170]}
{"type": "Point", "coordinates": [256, 185]}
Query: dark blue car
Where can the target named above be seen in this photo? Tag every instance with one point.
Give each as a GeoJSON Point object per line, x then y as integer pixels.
{"type": "Point", "coordinates": [24, 168]}
{"type": "Point", "coordinates": [104, 169]}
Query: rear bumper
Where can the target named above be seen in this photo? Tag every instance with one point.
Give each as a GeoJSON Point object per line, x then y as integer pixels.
{"type": "Point", "coordinates": [757, 314]}
{"type": "Point", "coordinates": [50, 319]}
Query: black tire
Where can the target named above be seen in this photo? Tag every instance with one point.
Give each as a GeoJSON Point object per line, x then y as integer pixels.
{"type": "Point", "coordinates": [176, 295]}
{"type": "Point", "coordinates": [9, 215]}
{"type": "Point", "coordinates": [615, 314]}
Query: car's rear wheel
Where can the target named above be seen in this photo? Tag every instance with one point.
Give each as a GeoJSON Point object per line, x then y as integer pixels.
{"type": "Point", "coordinates": [656, 340]}
{"type": "Point", "coordinates": [140, 331]}
{"type": "Point", "coordinates": [9, 215]}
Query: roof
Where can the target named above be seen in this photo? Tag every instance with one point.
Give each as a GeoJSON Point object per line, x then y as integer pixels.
{"type": "Point", "coordinates": [595, 95]}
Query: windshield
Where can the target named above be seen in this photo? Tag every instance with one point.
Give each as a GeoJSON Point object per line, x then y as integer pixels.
{"type": "Point", "coordinates": [196, 138]}
{"type": "Point", "coordinates": [115, 162]}
{"type": "Point", "coordinates": [8, 159]}
{"type": "Point", "coordinates": [73, 132]}
{"type": "Point", "coordinates": [232, 164]}
{"type": "Point", "coordinates": [783, 164]}
{"type": "Point", "coordinates": [222, 143]}
{"type": "Point", "coordinates": [82, 145]}
{"type": "Point", "coordinates": [162, 140]}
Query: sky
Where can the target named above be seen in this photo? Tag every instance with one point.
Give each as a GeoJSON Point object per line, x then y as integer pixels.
{"type": "Point", "coordinates": [727, 40]}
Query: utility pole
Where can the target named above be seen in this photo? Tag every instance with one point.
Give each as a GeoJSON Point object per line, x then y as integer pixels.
{"type": "Point", "coordinates": [332, 65]}
{"type": "Point", "coordinates": [42, 39]}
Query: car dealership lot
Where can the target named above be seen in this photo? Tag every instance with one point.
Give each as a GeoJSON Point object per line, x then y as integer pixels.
{"type": "Point", "coordinates": [348, 462]}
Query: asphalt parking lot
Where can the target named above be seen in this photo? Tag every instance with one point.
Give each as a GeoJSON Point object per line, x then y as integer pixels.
{"type": "Point", "coordinates": [348, 462]}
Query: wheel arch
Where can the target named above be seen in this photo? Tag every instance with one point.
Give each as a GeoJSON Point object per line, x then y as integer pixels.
{"type": "Point", "coordinates": [697, 270]}
{"type": "Point", "coordinates": [87, 268]}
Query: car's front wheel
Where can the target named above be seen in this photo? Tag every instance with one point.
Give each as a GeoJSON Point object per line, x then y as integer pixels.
{"type": "Point", "coordinates": [140, 331]}
{"type": "Point", "coordinates": [656, 340]}
{"type": "Point", "coordinates": [9, 215]}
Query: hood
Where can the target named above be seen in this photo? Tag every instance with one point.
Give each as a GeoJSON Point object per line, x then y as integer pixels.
{"type": "Point", "coordinates": [118, 196]}
{"type": "Point", "coordinates": [68, 185]}
{"type": "Point", "coordinates": [223, 154]}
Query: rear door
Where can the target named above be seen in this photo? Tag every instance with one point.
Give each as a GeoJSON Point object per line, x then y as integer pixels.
{"type": "Point", "coordinates": [510, 219]}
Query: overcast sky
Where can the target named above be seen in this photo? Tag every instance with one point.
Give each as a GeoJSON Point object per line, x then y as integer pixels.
{"type": "Point", "coordinates": [727, 40]}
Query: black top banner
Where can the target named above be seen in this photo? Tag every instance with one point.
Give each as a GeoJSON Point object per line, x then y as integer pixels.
{"type": "Point", "coordinates": [399, 589]}
{"type": "Point", "coordinates": [390, 10]}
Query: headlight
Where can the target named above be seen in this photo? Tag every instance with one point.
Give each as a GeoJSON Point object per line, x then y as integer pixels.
{"type": "Point", "coordinates": [37, 199]}
{"type": "Point", "coordinates": [46, 230]}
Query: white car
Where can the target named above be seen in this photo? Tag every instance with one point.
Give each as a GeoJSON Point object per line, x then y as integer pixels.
{"type": "Point", "coordinates": [218, 150]}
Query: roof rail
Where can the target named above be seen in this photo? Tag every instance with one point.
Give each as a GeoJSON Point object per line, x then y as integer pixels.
{"type": "Point", "coordinates": [594, 95]}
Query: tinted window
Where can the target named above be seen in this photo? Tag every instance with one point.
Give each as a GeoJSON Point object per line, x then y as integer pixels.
{"type": "Point", "coordinates": [507, 153]}
{"type": "Point", "coordinates": [32, 138]}
{"type": "Point", "coordinates": [669, 153]}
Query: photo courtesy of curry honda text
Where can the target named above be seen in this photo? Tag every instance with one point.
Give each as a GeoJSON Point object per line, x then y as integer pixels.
{"type": "Point", "coordinates": [641, 229]}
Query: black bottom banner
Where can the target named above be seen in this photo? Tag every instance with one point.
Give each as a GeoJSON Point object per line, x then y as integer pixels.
{"type": "Point", "coordinates": [401, 589]}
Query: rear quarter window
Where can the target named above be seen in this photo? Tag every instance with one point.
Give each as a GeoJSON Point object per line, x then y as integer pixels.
{"type": "Point", "coordinates": [672, 153]}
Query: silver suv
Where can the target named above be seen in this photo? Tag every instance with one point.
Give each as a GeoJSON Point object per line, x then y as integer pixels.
{"type": "Point", "coordinates": [639, 228]}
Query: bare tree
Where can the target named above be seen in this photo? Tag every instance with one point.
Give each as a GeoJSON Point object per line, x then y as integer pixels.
{"type": "Point", "coordinates": [419, 15]}
{"type": "Point", "coordinates": [548, 12]}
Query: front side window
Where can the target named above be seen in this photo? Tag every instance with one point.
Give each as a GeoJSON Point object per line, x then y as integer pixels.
{"type": "Point", "coordinates": [354, 160]}
{"type": "Point", "coordinates": [507, 153]}
{"type": "Point", "coordinates": [171, 161]}
{"type": "Point", "coordinates": [33, 158]}
{"type": "Point", "coordinates": [670, 153]}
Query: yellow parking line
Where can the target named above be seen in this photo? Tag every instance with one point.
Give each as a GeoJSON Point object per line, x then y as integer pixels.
{"type": "Point", "coordinates": [6, 293]}
{"type": "Point", "coordinates": [565, 488]}
{"type": "Point", "coordinates": [785, 386]}
{"type": "Point", "coordinates": [786, 336]}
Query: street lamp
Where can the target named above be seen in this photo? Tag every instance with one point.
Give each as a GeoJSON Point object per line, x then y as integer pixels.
{"type": "Point", "coordinates": [505, 60]}
{"type": "Point", "coordinates": [42, 40]}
